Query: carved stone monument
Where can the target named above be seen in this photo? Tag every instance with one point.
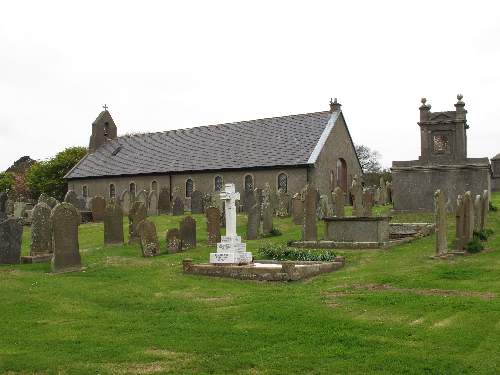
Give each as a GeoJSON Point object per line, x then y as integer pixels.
{"type": "Point", "coordinates": [113, 224]}
{"type": "Point", "coordinates": [65, 220]}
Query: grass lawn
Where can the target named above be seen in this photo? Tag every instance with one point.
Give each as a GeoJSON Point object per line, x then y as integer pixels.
{"type": "Point", "coordinates": [387, 312]}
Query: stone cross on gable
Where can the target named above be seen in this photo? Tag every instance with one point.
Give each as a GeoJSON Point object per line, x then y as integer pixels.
{"type": "Point", "coordinates": [230, 197]}
{"type": "Point", "coordinates": [105, 107]}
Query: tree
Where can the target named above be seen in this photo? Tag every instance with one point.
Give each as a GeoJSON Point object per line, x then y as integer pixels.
{"type": "Point", "coordinates": [369, 159]}
{"type": "Point", "coordinates": [48, 176]}
{"type": "Point", "coordinates": [6, 181]}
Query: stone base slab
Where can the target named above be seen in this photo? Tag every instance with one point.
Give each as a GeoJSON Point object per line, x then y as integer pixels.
{"type": "Point", "coordinates": [264, 270]}
{"type": "Point", "coordinates": [41, 258]}
{"type": "Point", "coordinates": [239, 257]}
{"type": "Point", "coordinates": [449, 255]}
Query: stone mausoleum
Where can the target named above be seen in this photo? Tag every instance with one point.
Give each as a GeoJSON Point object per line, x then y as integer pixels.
{"type": "Point", "coordinates": [287, 152]}
{"type": "Point", "coordinates": [443, 163]}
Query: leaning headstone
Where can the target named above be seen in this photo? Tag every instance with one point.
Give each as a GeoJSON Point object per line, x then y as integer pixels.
{"type": "Point", "coordinates": [113, 224]}
{"type": "Point", "coordinates": [485, 209]}
{"type": "Point", "coordinates": [178, 207]}
{"type": "Point", "coordinates": [267, 214]}
{"type": "Point", "coordinates": [11, 233]}
{"type": "Point", "coordinates": [297, 209]}
{"type": "Point", "coordinates": [97, 206]}
{"type": "Point", "coordinates": [153, 204]}
{"type": "Point", "coordinates": [72, 198]}
{"type": "Point", "coordinates": [41, 230]}
{"type": "Point", "coordinates": [188, 233]}
{"type": "Point", "coordinates": [125, 202]}
{"type": "Point", "coordinates": [51, 202]}
{"type": "Point", "coordinates": [367, 203]}
{"type": "Point", "coordinates": [164, 203]}
{"type": "Point", "coordinates": [383, 192]}
{"type": "Point", "coordinates": [357, 197]}
{"type": "Point", "coordinates": [196, 202]}
{"type": "Point", "coordinates": [213, 225]}
{"type": "Point", "coordinates": [478, 207]}
{"type": "Point", "coordinates": [441, 226]}
{"type": "Point", "coordinates": [150, 246]}
{"type": "Point", "coordinates": [174, 243]}
{"type": "Point", "coordinates": [137, 214]}
{"type": "Point", "coordinates": [65, 220]}
{"type": "Point", "coordinates": [310, 232]}
{"type": "Point", "coordinates": [338, 201]}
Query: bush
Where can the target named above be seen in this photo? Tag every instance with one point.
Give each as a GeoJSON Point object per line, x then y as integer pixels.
{"type": "Point", "coordinates": [492, 207]}
{"type": "Point", "coordinates": [484, 234]}
{"type": "Point", "coordinates": [474, 246]}
{"type": "Point", "coordinates": [274, 232]}
{"type": "Point", "coordinates": [282, 252]}
{"type": "Point", "coordinates": [6, 181]}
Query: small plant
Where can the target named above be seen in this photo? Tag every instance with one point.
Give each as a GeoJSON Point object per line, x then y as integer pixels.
{"type": "Point", "coordinates": [483, 234]}
{"type": "Point", "coordinates": [493, 207]}
{"type": "Point", "coordinates": [474, 246]}
{"type": "Point", "coordinates": [282, 252]}
{"type": "Point", "coordinates": [273, 233]}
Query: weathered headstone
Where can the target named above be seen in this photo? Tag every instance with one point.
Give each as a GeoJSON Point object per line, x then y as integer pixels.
{"type": "Point", "coordinates": [137, 214]}
{"type": "Point", "coordinates": [357, 197]}
{"type": "Point", "coordinates": [388, 188]}
{"type": "Point", "coordinates": [339, 201]}
{"type": "Point", "coordinates": [72, 198]}
{"type": "Point", "coordinates": [97, 206]}
{"type": "Point", "coordinates": [367, 203]}
{"type": "Point", "coordinates": [174, 243]}
{"type": "Point", "coordinates": [267, 213]}
{"type": "Point", "coordinates": [188, 233]}
{"type": "Point", "coordinates": [113, 224]}
{"type": "Point", "coordinates": [248, 200]}
{"type": "Point", "coordinates": [253, 222]}
{"type": "Point", "coordinates": [178, 207]}
{"type": "Point", "coordinates": [126, 202]}
{"type": "Point", "coordinates": [11, 233]}
{"type": "Point", "coordinates": [310, 232]}
{"type": "Point", "coordinates": [41, 230]}
{"type": "Point", "coordinates": [142, 197]}
{"type": "Point", "coordinates": [51, 202]}
{"type": "Point", "coordinates": [283, 204]}
{"type": "Point", "coordinates": [485, 209]}
{"type": "Point", "coordinates": [196, 202]}
{"type": "Point", "coordinates": [441, 226]}
{"type": "Point", "coordinates": [478, 207]}
{"type": "Point", "coordinates": [323, 209]}
{"type": "Point", "coordinates": [150, 246]}
{"type": "Point", "coordinates": [164, 203]}
{"type": "Point", "coordinates": [383, 192]}
{"type": "Point", "coordinates": [65, 220]}
{"type": "Point", "coordinates": [376, 197]}
{"type": "Point", "coordinates": [213, 225]}
{"type": "Point", "coordinates": [469, 217]}
{"type": "Point", "coordinates": [297, 209]}
{"type": "Point", "coordinates": [19, 209]}
{"type": "Point", "coordinates": [153, 203]}
{"type": "Point", "coordinates": [459, 223]}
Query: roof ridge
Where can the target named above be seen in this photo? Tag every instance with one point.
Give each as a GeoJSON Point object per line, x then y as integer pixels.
{"type": "Point", "coordinates": [213, 125]}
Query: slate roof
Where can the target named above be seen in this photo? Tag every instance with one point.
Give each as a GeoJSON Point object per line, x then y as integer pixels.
{"type": "Point", "coordinates": [269, 142]}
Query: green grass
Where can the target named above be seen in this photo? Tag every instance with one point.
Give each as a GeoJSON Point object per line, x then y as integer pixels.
{"type": "Point", "coordinates": [386, 312]}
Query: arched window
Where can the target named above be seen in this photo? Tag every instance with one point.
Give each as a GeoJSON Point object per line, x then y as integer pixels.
{"type": "Point", "coordinates": [218, 183]}
{"type": "Point", "coordinates": [154, 186]}
{"type": "Point", "coordinates": [189, 187]}
{"type": "Point", "coordinates": [248, 182]}
{"type": "Point", "coordinates": [342, 174]}
{"type": "Point", "coordinates": [85, 191]}
{"type": "Point", "coordinates": [112, 191]}
{"type": "Point", "coordinates": [132, 189]}
{"type": "Point", "coordinates": [282, 182]}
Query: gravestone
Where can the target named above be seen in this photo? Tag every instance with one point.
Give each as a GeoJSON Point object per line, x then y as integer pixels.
{"type": "Point", "coordinates": [41, 230]}
{"type": "Point", "coordinates": [357, 197]}
{"type": "Point", "coordinates": [267, 213]}
{"type": "Point", "coordinates": [253, 222]}
{"type": "Point", "coordinates": [51, 202]}
{"type": "Point", "coordinates": [153, 203]}
{"type": "Point", "coordinates": [150, 246]}
{"type": "Point", "coordinates": [164, 203]}
{"type": "Point", "coordinates": [174, 243]}
{"type": "Point", "coordinates": [376, 197]}
{"type": "Point", "coordinates": [338, 201]}
{"type": "Point", "coordinates": [383, 192]}
{"type": "Point", "coordinates": [142, 197]}
{"type": "Point", "coordinates": [196, 202]}
{"type": "Point", "coordinates": [459, 223]}
{"type": "Point", "coordinates": [441, 226]}
{"type": "Point", "coordinates": [485, 209]}
{"type": "Point", "coordinates": [178, 207]}
{"type": "Point", "coordinates": [3, 202]}
{"type": "Point", "coordinates": [137, 214]}
{"type": "Point", "coordinates": [97, 206]}
{"type": "Point", "coordinates": [248, 200]}
{"type": "Point", "coordinates": [11, 234]}
{"type": "Point", "coordinates": [469, 217]}
{"type": "Point", "coordinates": [274, 200]}
{"type": "Point", "coordinates": [72, 198]}
{"type": "Point", "coordinates": [388, 188]}
{"type": "Point", "coordinates": [113, 224]}
{"type": "Point", "coordinates": [310, 232]}
{"type": "Point", "coordinates": [213, 225]}
{"type": "Point", "coordinates": [188, 233]}
{"type": "Point", "coordinates": [283, 204]}
{"type": "Point", "coordinates": [65, 220]}
{"type": "Point", "coordinates": [19, 209]}
{"type": "Point", "coordinates": [125, 202]}
{"type": "Point", "coordinates": [478, 207]}
{"type": "Point", "coordinates": [230, 250]}
{"type": "Point", "coordinates": [367, 203]}
{"type": "Point", "coordinates": [297, 209]}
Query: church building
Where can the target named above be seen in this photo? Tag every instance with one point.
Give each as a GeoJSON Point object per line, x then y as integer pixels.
{"type": "Point", "coordinates": [287, 152]}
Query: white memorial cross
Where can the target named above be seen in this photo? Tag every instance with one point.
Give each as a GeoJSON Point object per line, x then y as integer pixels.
{"type": "Point", "coordinates": [230, 197]}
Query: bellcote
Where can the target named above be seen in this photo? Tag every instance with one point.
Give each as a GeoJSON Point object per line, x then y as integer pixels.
{"type": "Point", "coordinates": [103, 129]}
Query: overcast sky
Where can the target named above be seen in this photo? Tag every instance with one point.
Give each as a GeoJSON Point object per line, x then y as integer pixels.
{"type": "Point", "coordinates": [162, 65]}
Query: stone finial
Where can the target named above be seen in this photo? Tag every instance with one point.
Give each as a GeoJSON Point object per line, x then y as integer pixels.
{"type": "Point", "coordinates": [460, 104]}
{"type": "Point", "coordinates": [334, 105]}
{"type": "Point", "coordinates": [424, 110]}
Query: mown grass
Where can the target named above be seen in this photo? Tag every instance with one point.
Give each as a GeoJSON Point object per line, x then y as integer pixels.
{"type": "Point", "coordinates": [386, 312]}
